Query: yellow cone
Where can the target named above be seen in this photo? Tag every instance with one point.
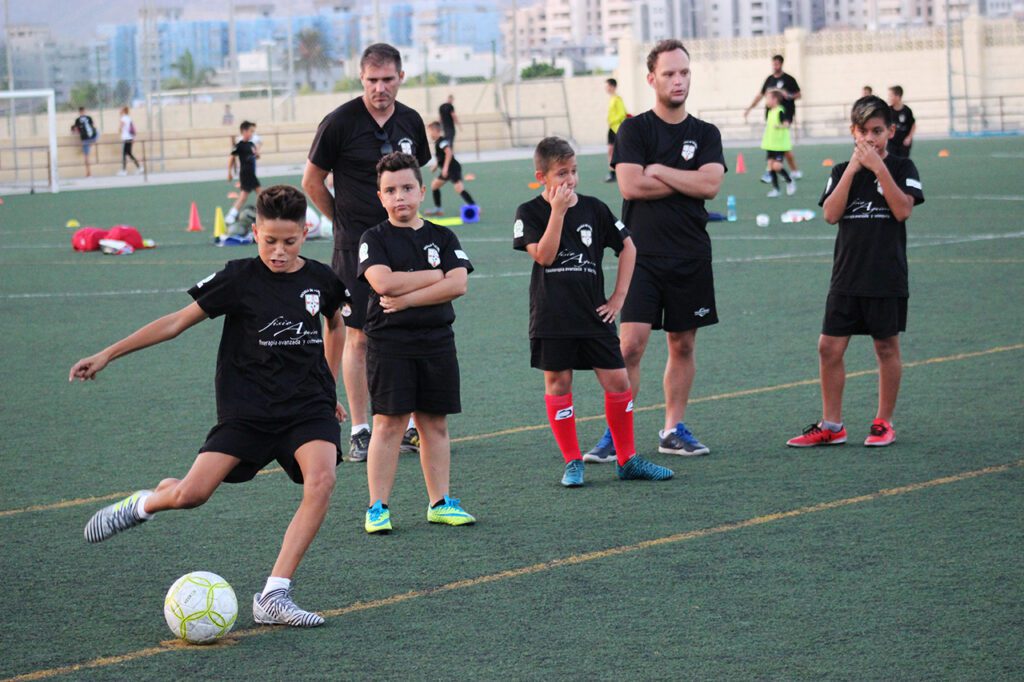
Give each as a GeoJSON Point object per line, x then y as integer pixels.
{"type": "Point", "coordinates": [72, 223]}
{"type": "Point", "coordinates": [220, 228]}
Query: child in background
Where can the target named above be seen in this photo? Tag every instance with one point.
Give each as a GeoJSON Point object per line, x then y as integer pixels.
{"type": "Point", "coordinates": [245, 153]}
{"type": "Point", "coordinates": [451, 170]}
{"type": "Point", "coordinates": [776, 142]}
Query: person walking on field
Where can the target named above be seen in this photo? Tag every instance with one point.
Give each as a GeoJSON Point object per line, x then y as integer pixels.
{"type": "Point", "coordinates": [127, 138]}
{"type": "Point", "coordinates": [787, 85]}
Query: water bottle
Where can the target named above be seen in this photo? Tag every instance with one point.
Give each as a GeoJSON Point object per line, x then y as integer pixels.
{"type": "Point", "coordinates": [730, 208]}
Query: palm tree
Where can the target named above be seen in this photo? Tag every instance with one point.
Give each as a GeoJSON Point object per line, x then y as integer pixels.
{"type": "Point", "coordinates": [313, 53]}
{"type": "Point", "coordinates": [188, 76]}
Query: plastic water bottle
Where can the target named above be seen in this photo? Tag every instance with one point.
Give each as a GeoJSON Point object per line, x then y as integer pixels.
{"type": "Point", "coordinates": [730, 208]}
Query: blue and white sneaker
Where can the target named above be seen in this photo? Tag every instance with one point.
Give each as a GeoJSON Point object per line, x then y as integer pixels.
{"type": "Point", "coordinates": [604, 451]}
{"type": "Point", "coordinates": [637, 468]}
{"type": "Point", "coordinates": [680, 441]}
{"type": "Point", "coordinates": [277, 608]}
{"type": "Point", "coordinates": [767, 177]}
{"type": "Point", "coordinates": [117, 517]}
{"type": "Point", "coordinates": [573, 476]}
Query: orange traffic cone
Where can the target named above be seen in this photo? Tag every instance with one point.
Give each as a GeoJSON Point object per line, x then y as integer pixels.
{"type": "Point", "coordinates": [741, 166]}
{"type": "Point", "coordinates": [193, 221]}
{"type": "Point", "coordinates": [827, 163]}
{"type": "Point", "coordinates": [943, 153]}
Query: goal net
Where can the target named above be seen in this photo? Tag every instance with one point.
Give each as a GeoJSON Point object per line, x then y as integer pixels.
{"type": "Point", "coordinates": [28, 141]}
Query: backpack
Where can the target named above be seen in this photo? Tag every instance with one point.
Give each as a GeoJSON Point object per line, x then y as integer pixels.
{"type": "Point", "coordinates": [131, 128]}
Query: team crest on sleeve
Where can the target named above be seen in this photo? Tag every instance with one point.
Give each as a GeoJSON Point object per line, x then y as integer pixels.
{"type": "Point", "coordinates": [517, 230]}
{"type": "Point", "coordinates": [586, 234]}
{"type": "Point", "coordinates": [911, 182]}
{"type": "Point", "coordinates": [689, 149]}
{"type": "Point", "coordinates": [461, 255]}
{"type": "Point", "coordinates": [364, 251]}
{"type": "Point", "coordinates": [620, 226]}
{"type": "Point", "coordinates": [200, 283]}
{"type": "Point", "coordinates": [433, 255]}
{"type": "Point", "coordinates": [312, 299]}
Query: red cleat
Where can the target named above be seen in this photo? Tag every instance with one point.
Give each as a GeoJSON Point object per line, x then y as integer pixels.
{"type": "Point", "coordinates": [882, 434]}
{"type": "Point", "coordinates": [815, 435]}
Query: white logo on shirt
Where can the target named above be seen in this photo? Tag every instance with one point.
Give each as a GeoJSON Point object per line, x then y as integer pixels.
{"type": "Point", "coordinates": [364, 251]}
{"type": "Point", "coordinates": [911, 182]}
{"type": "Point", "coordinates": [405, 144]}
{"type": "Point", "coordinates": [828, 185]}
{"type": "Point", "coordinates": [878, 186]}
{"type": "Point", "coordinates": [459, 253]}
{"type": "Point", "coordinates": [433, 255]}
{"type": "Point", "coordinates": [346, 310]}
{"type": "Point", "coordinates": [701, 312]}
{"type": "Point", "coordinates": [564, 413]}
{"type": "Point", "coordinates": [689, 149]}
{"type": "Point", "coordinates": [312, 300]}
{"type": "Point", "coordinates": [586, 234]}
{"type": "Point", "coordinates": [517, 230]}
{"type": "Point", "coordinates": [620, 226]}
{"type": "Point", "coordinates": [200, 283]}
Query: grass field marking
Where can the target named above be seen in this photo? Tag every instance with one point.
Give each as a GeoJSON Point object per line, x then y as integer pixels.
{"type": "Point", "coordinates": [571, 560]}
{"type": "Point", "coordinates": [742, 393]}
{"type": "Point", "coordinates": [982, 197]}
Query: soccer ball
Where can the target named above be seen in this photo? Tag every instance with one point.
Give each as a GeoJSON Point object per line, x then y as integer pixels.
{"type": "Point", "coordinates": [200, 607]}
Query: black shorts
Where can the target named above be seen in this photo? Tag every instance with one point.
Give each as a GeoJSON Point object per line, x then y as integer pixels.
{"type": "Point", "coordinates": [345, 262]}
{"type": "Point", "coordinates": [558, 354]}
{"type": "Point", "coordinates": [674, 294]}
{"type": "Point", "coordinates": [882, 318]}
{"type": "Point", "coordinates": [611, 136]}
{"type": "Point", "coordinates": [454, 173]}
{"type": "Point", "coordinates": [775, 156]}
{"type": "Point", "coordinates": [247, 181]}
{"type": "Point", "coordinates": [258, 444]}
{"type": "Point", "coordinates": [402, 385]}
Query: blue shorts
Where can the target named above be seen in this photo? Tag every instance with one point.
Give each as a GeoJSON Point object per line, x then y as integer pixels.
{"type": "Point", "coordinates": [87, 145]}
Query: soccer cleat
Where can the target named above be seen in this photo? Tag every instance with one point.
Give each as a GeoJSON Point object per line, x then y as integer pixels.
{"type": "Point", "coordinates": [410, 442]}
{"type": "Point", "coordinates": [882, 434]}
{"type": "Point", "coordinates": [610, 177]}
{"type": "Point", "coordinates": [573, 476]}
{"type": "Point", "coordinates": [680, 441]}
{"type": "Point", "coordinates": [359, 446]}
{"type": "Point", "coordinates": [790, 188]}
{"type": "Point", "coordinates": [773, 193]}
{"type": "Point", "coordinates": [434, 212]}
{"type": "Point", "coordinates": [815, 435]}
{"type": "Point", "coordinates": [378, 518]}
{"type": "Point", "coordinates": [122, 172]}
{"type": "Point", "coordinates": [450, 513]}
{"type": "Point", "coordinates": [767, 178]}
{"type": "Point", "coordinates": [637, 468]}
{"type": "Point", "coordinates": [114, 518]}
{"type": "Point", "coordinates": [277, 608]}
{"type": "Point", "coordinates": [795, 174]}
{"type": "Point", "coordinates": [604, 451]}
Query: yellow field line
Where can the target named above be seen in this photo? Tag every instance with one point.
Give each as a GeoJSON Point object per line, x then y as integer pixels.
{"type": "Point", "coordinates": [537, 427]}
{"type": "Point", "coordinates": [572, 560]}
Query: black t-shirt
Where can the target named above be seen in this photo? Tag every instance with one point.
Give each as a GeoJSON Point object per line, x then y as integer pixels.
{"type": "Point", "coordinates": [85, 127]}
{"type": "Point", "coordinates": [419, 331]}
{"type": "Point", "coordinates": [439, 147]}
{"type": "Point", "coordinates": [676, 225]}
{"type": "Point", "coordinates": [786, 83]}
{"type": "Point", "coordinates": [350, 143]}
{"type": "Point", "coordinates": [445, 112]}
{"type": "Point", "coordinates": [245, 150]}
{"type": "Point", "coordinates": [871, 246]}
{"type": "Point", "coordinates": [271, 364]}
{"type": "Point", "coordinates": [565, 295]}
{"type": "Point", "coordinates": [904, 119]}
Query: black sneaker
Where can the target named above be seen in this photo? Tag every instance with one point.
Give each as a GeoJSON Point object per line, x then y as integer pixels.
{"type": "Point", "coordinates": [359, 446]}
{"type": "Point", "coordinates": [410, 442]}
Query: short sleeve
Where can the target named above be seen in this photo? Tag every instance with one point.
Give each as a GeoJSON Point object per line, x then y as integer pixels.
{"type": "Point", "coordinates": [337, 294]}
{"type": "Point", "coordinates": [452, 255]}
{"type": "Point", "coordinates": [218, 294]}
{"type": "Point", "coordinates": [326, 144]}
{"type": "Point", "coordinates": [629, 143]}
{"type": "Point", "coordinates": [614, 230]}
{"type": "Point", "coordinates": [234, 150]}
{"type": "Point", "coordinates": [792, 86]}
{"type": "Point", "coordinates": [907, 179]}
{"type": "Point", "coordinates": [830, 184]}
{"type": "Point", "coordinates": [371, 252]}
{"type": "Point", "coordinates": [526, 228]}
{"type": "Point", "coordinates": [710, 151]}
{"type": "Point", "coordinates": [422, 146]}
{"type": "Point", "coordinates": [910, 117]}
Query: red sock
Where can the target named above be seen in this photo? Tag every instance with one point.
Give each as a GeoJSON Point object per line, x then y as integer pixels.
{"type": "Point", "coordinates": [563, 424]}
{"type": "Point", "coordinates": [618, 410]}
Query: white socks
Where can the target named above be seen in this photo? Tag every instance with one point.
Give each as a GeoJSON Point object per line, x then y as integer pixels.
{"type": "Point", "coordinates": [276, 584]}
{"type": "Point", "coordinates": [356, 428]}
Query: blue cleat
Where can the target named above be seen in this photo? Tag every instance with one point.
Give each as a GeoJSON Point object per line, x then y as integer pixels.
{"type": "Point", "coordinates": [680, 441]}
{"type": "Point", "coordinates": [604, 451]}
{"type": "Point", "coordinates": [637, 468]}
{"type": "Point", "coordinates": [573, 476]}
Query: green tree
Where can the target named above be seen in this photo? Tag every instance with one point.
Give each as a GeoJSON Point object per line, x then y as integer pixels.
{"type": "Point", "coordinates": [87, 94]}
{"type": "Point", "coordinates": [188, 75]}
{"type": "Point", "coordinates": [313, 53]}
{"type": "Point", "coordinates": [123, 92]}
{"type": "Point", "coordinates": [541, 70]}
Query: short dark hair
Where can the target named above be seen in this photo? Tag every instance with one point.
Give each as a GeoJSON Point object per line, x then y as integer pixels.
{"type": "Point", "coordinates": [612, 82]}
{"type": "Point", "coordinates": [868, 89]}
{"type": "Point", "coordinates": [668, 45]}
{"type": "Point", "coordinates": [434, 124]}
{"type": "Point", "coordinates": [396, 161]}
{"type": "Point", "coordinates": [246, 125]}
{"type": "Point", "coordinates": [779, 58]}
{"type": "Point", "coordinates": [867, 108]}
{"type": "Point", "coordinates": [551, 150]}
{"type": "Point", "coordinates": [897, 90]}
{"type": "Point", "coordinates": [381, 54]}
{"type": "Point", "coordinates": [281, 202]}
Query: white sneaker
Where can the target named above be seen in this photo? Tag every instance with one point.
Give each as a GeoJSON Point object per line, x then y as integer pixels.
{"type": "Point", "coordinates": [140, 169]}
{"type": "Point", "coordinates": [790, 188]}
{"type": "Point", "coordinates": [277, 608]}
{"type": "Point", "coordinates": [114, 518]}
{"type": "Point", "coordinates": [772, 194]}
{"type": "Point", "coordinates": [122, 172]}
{"type": "Point", "coordinates": [796, 175]}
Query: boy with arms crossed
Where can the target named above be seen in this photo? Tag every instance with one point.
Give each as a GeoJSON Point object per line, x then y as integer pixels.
{"type": "Point", "coordinates": [276, 373]}
{"type": "Point", "coordinates": [572, 324]}
{"type": "Point", "coordinates": [416, 269]}
{"type": "Point", "coordinates": [871, 197]}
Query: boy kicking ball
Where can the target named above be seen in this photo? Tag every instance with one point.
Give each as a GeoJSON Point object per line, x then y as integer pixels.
{"type": "Point", "coordinates": [416, 269]}
{"type": "Point", "coordinates": [871, 197]}
{"type": "Point", "coordinates": [572, 324]}
{"type": "Point", "coordinates": [276, 372]}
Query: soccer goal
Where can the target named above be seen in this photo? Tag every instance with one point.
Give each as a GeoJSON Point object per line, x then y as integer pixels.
{"type": "Point", "coordinates": [28, 141]}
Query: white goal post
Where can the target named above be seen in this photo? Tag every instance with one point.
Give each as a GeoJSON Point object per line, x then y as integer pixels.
{"type": "Point", "coordinates": [27, 158]}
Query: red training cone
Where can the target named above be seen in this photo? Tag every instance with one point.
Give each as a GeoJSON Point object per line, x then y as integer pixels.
{"type": "Point", "coordinates": [193, 221]}
{"type": "Point", "coordinates": [741, 167]}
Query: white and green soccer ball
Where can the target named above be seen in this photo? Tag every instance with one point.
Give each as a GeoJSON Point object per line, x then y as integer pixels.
{"type": "Point", "coordinates": [200, 607]}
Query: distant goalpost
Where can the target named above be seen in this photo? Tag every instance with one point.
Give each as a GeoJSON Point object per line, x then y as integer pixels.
{"type": "Point", "coordinates": [28, 156]}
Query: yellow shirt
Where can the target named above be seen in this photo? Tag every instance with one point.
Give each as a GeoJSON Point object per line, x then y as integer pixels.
{"type": "Point", "coordinates": [616, 113]}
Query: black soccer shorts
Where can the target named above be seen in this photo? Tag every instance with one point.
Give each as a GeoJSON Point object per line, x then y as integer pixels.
{"type": "Point", "coordinates": [258, 443]}
{"type": "Point", "coordinates": [560, 354]}
{"type": "Point", "coordinates": [674, 294]}
{"type": "Point", "coordinates": [400, 385]}
{"type": "Point", "coordinates": [881, 317]}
